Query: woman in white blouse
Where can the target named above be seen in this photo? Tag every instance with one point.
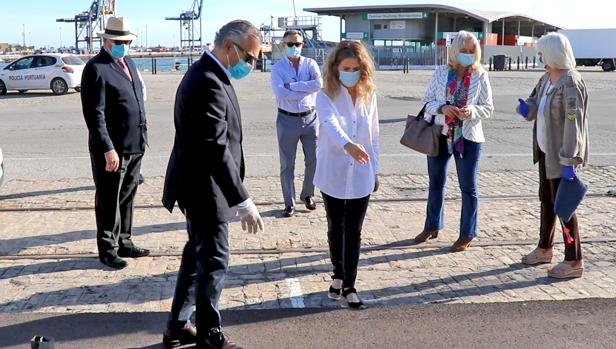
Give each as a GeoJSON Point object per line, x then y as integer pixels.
{"type": "Point", "coordinates": [347, 158]}
{"type": "Point", "coordinates": [459, 97]}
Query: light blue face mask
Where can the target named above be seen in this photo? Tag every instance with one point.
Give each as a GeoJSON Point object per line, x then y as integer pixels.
{"type": "Point", "coordinates": [119, 50]}
{"type": "Point", "coordinates": [294, 51]}
{"type": "Point", "coordinates": [349, 78]}
{"type": "Point", "coordinates": [241, 69]}
{"type": "Point", "coordinates": [466, 59]}
{"type": "Point", "coordinates": [539, 60]}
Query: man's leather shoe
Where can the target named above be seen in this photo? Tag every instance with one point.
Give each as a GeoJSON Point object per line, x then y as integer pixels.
{"type": "Point", "coordinates": [114, 262]}
{"type": "Point", "coordinates": [217, 340]}
{"type": "Point", "coordinates": [133, 252]}
{"type": "Point", "coordinates": [289, 211]}
{"type": "Point", "coordinates": [310, 204]}
{"type": "Point", "coordinates": [173, 338]}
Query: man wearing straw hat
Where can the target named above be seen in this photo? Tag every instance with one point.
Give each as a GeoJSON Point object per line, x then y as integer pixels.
{"type": "Point", "coordinates": [112, 98]}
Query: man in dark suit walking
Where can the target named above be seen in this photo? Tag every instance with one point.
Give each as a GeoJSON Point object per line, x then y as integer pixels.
{"type": "Point", "coordinates": [204, 177]}
{"type": "Point", "coordinates": [112, 98]}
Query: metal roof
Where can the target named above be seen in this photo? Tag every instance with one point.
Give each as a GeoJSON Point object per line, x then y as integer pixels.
{"type": "Point", "coordinates": [484, 16]}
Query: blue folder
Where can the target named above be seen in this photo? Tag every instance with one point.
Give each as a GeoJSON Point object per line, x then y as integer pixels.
{"type": "Point", "coordinates": [568, 197]}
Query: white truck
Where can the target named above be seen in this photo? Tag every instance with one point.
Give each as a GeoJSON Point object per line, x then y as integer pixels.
{"type": "Point", "coordinates": [593, 46]}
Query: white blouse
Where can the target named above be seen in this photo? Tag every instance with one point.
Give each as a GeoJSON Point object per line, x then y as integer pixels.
{"type": "Point", "coordinates": [340, 122]}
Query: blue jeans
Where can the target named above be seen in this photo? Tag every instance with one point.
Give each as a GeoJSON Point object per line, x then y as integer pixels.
{"type": "Point", "coordinates": [467, 167]}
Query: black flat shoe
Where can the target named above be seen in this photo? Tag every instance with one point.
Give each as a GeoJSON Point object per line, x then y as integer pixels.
{"type": "Point", "coordinates": [173, 338]}
{"type": "Point", "coordinates": [133, 252]}
{"type": "Point", "coordinates": [114, 262]}
{"type": "Point", "coordinates": [217, 340]}
{"type": "Point", "coordinates": [289, 211]}
{"type": "Point", "coordinates": [353, 305]}
{"type": "Point", "coordinates": [334, 293]}
{"type": "Point", "coordinates": [310, 204]}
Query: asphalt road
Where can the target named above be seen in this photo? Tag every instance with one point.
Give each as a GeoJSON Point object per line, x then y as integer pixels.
{"type": "Point", "coordinates": [44, 136]}
{"type": "Point", "coordinates": [587, 324]}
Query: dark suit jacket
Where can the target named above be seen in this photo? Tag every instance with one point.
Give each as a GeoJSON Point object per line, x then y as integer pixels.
{"type": "Point", "coordinates": [113, 106]}
{"type": "Point", "coordinates": [206, 167]}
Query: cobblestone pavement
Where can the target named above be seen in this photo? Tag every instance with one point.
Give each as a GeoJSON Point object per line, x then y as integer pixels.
{"type": "Point", "coordinates": [48, 261]}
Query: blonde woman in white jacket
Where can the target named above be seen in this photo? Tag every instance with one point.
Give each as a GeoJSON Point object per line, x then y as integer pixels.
{"type": "Point", "coordinates": [459, 98]}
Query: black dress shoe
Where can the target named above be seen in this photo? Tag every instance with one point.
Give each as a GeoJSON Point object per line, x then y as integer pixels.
{"type": "Point", "coordinates": [310, 204]}
{"type": "Point", "coordinates": [133, 252]}
{"type": "Point", "coordinates": [114, 262]}
{"type": "Point", "coordinates": [173, 338]}
{"type": "Point", "coordinates": [217, 340]}
{"type": "Point", "coordinates": [289, 211]}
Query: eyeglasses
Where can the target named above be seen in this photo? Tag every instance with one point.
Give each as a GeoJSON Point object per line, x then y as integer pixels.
{"type": "Point", "coordinates": [294, 44]}
{"type": "Point", "coordinates": [250, 59]}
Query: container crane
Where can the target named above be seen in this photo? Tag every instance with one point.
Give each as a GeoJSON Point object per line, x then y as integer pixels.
{"type": "Point", "coordinates": [190, 31]}
{"type": "Point", "coordinates": [89, 22]}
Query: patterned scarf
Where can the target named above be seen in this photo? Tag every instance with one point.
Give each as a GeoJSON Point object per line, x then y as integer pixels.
{"type": "Point", "coordinates": [457, 95]}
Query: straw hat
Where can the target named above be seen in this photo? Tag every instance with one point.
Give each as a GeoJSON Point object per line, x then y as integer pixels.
{"type": "Point", "coordinates": [117, 29]}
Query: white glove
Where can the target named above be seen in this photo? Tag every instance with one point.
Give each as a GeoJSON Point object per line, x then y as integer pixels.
{"type": "Point", "coordinates": [250, 217]}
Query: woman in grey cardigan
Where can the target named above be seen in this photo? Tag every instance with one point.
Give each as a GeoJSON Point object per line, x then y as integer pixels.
{"type": "Point", "coordinates": [558, 105]}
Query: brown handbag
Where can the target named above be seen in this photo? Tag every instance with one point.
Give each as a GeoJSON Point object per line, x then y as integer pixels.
{"type": "Point", "coordinates": [420, 135]}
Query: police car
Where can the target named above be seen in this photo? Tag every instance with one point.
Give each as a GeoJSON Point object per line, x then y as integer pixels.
{"type": "Point", "coordinates": [55, 71]}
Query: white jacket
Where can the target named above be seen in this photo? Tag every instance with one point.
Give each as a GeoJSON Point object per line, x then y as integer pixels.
{"type": "Point", "coordinates": [479, 102]}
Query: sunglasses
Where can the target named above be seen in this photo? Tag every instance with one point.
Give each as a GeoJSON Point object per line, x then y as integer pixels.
{"type": "Point", "coordinates": [294, 44]}
{"type": "Point", "coordinates": [250, 59]}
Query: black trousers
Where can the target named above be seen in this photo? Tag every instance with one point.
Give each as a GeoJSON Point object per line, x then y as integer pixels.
{"type": "Point", "coordinates": [114, 198]}
{"type": "Point", "coordinates": [547, 230]}
{"type": "Point", "coordinates": [345, 219]}
{"type": "Point", "coordinates": [204, 265]}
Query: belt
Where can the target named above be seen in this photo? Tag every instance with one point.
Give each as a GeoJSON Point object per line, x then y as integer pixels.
{"type": "Point", "coordinates": [302, 114]}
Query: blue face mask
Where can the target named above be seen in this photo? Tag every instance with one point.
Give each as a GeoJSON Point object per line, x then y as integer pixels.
{"type": "Point", "coordinates": [539, 60]}
{"type": "Point", "coordinates": [294, 51]}
{"type": "Point", "coordinates": [466, 59]}
{"type": "Point", "coordinates": [349, 78]}
{"type": "Point", "coordinates": [241, 69]}
{"type": "Point", "coordinates": [119, 50]}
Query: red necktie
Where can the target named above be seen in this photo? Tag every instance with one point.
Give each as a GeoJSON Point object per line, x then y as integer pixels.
{"type": "Point", "coordinates": [125, 68]}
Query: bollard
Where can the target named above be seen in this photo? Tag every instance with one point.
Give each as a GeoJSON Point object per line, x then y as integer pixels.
{"type": "Point", "coordinates": [41, 342]}
{"type": "Point", "coordinates": [490, 64]}
{"type": "Point", "coordinates": [509, 63]}
{"type": "Point", "coordinates": [518, 62]}
{"type": "Point", "coordinates": [534, 62]}
{"type": "Point", "coordinates": [526, 63]}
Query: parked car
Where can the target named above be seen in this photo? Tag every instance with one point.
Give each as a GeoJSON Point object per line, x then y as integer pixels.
{"type": "Point", "coordinates": [1, 168]}
{"type": "Point", "coordinates": [55, 71]}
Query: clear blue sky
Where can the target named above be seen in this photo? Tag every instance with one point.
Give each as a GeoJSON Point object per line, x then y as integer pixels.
{"type": "Point", "coordinates": [39, 16]}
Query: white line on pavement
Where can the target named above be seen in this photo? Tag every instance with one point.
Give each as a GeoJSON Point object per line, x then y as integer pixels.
{"type": "Point", "coordinates": [295, 293]}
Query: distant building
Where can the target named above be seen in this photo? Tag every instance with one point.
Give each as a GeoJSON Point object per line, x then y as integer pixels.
{"type": "Point", "coordinates": [421, 29]}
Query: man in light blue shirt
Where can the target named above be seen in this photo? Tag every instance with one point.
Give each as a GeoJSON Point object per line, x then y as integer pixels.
{"type": "Point", "coordinates": [296, 81]}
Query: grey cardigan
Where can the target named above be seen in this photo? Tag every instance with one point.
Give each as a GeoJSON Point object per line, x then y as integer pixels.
{"type": "Point", "coordinates": [566, 117]}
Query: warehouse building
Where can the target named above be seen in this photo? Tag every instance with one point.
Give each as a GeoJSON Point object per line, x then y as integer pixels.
{"type": "Point", "coordinates": [424, 31]}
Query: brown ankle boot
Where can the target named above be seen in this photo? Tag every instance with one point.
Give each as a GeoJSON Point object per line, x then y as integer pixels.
{"type": "Point", "coordinates": [461, 244]}
{"type": "Point", "coordinates": [426, 235]}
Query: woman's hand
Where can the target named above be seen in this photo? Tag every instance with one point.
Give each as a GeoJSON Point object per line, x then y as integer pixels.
{"type": "Point", "coordinates": [465, 113]}
{"type": "Point", "coordinates": [451, 111]}
{"type": "Point", "coordinates": [357, 152]}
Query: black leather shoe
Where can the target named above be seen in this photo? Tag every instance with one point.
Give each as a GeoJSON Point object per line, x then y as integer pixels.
{"type": "Point", "coordinates": [310, 204]}
{"type": "Point", "coordinates": [289, 211]}
{"type": "Point", "coordinates": [133, 252]}
{"type": "Point", "coordinates": [217, 340]}
{"type": "Point", "coordinates": [173, 338]}
{"type": "Point", "coordinates": [114, 262]}
{"type": "Point", "coordinates": [353, 305]}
